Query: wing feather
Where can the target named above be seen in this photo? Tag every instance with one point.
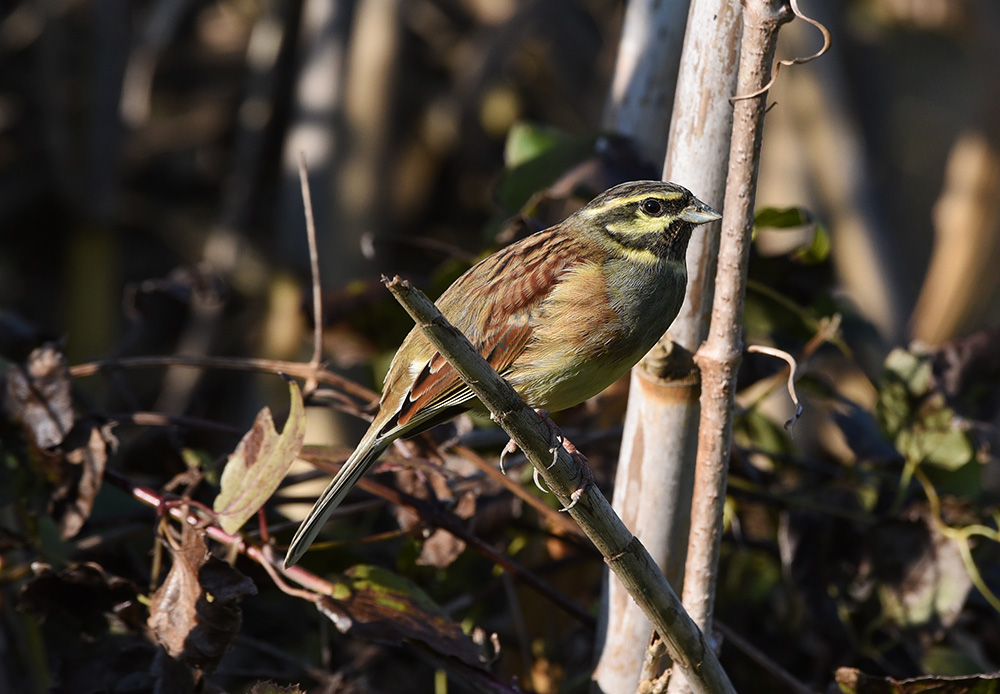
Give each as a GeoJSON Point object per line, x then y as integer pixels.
{"type": "Point", "coordinates": [494, 311]}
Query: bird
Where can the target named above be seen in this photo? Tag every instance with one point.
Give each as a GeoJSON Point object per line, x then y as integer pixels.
{"type": "Point", "coordinates": [561, 314]}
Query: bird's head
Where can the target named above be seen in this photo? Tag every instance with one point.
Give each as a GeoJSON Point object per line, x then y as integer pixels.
{"type": "Point", "coordinates": [649, 221]}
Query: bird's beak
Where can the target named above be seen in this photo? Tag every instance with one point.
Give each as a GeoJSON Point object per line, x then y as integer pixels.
{"type": "Point", "coordinates": [699, 213]}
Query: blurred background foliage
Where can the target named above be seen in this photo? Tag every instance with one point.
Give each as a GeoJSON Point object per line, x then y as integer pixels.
{"type": "Point", "coordinates": [150, 205]}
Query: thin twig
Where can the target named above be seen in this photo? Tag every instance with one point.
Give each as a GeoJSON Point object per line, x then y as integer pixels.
{"type": "Point", "coordinates": [762, 659]}
{"type": "Point", "coordinates": [160, 419]}
{"type": "Point", "coordinates": [317, 293]}
{"type": "Point", "coordinates": [269, 564]}
{"type": "Point", "coordinates": [827, 330]}
{"type": "Point", "coordinates": [296, 369]}
{"type": "Point", "coordinates": [318, 586]}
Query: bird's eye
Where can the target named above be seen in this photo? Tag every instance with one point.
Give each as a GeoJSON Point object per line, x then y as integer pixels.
{"type": "Point", "coordinates": [653, 207]}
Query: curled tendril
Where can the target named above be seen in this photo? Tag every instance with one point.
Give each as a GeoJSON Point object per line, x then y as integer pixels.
{"type": "Point", "coordinates": [792, 369]}
{"type": "Point", "coordinates": [794, 61]}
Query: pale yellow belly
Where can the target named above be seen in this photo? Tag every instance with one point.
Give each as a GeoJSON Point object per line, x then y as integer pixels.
{"type": "Point", "coordinates": [583, 343]}
{"type": "Point", "coordinates": [558, 389]}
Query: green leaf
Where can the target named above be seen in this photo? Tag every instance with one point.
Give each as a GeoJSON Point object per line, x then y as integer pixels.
{"type": "Point", "coordinates": [817, 251]}
{"type": "Point", "coordinates": [949, 449]}
{"type": "Point", "coordinates": [913, 370]}
{"type": "Point", "coordinates": [893, 408]}
{"type": "Point", "coordinates": [782, 217]}
{"type": "Point", "coordinates": [751, 576]}
{"type": "Point", "coordinates": [923, 428]}
{"type": "Point", "coordinates": [812, 252]}
{"type": "Point", "coordinates": [942, 659]}
{"type": "Point", "coordinates": [527, 141]}
{"type": "Point", "coordinates": [965, 482]}
{"type": "Point", "coordinates": [536, 157]}
{"type": "Point", "coordinates": [259, 463]}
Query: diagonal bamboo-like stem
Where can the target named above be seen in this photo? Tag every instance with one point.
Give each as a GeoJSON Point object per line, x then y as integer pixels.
{"type": "Point", "coordinates": [624, 554]}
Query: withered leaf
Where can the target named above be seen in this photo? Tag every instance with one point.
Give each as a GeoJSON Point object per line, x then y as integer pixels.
{"type": "Point", "coordinates": [92, 625]}
{"type": "Point", "coordinates": [72, 456]}
{"type": "Point", "coordinates": [377, 605]}
{"type": "Point", "coordinates": [853, 681]}
{"type": "Point", "coordinates": [259, 463]}
{"type": "Point", "coordinates": [38, 395]}
{"type": "Point", "coordinates": [83, 595]}
{"type": "Point", "coordinates": [442, 548]}
{"type": "Point", "coordinates": [195, 614]}
{"type": "Point", "coordinates": [84, 455]}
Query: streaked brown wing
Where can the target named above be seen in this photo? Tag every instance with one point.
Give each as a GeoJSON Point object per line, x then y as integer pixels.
{"type": "Point", "coordinates": [493, 307]}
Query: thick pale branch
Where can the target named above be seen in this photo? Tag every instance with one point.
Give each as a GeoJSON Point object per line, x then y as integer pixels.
{"type": "Point", "coordinates": [624, 553]}
{"type": "Point", "coordinates": [659, 444]}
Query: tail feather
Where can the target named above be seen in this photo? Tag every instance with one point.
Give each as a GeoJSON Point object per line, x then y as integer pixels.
{"type": "Point", "coordinates": [357, 465]}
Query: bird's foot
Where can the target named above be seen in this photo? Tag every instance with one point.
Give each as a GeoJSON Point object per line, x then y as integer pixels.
{"type": "Point", "coordinates": [588, 476]}
{"type": "Point", "coordinates": [560, 441]}
{"type": "Point", "coordinates": [557, 440]}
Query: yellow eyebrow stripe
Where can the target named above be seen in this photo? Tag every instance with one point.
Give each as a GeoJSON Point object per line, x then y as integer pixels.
{"type": "Point", "coordinates": [622, 202]}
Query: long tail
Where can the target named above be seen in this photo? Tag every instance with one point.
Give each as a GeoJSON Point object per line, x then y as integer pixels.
{"type": "Point", "coordinates": [357, 465]}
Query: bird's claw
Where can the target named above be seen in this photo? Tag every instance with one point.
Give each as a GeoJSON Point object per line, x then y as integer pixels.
{"type": "Point", "coordinates": [579, 458]}
{"type": "Point", "coordinates": [588, 477]}
{"type": "Point", "coordinates": [559, 441]}
{"type": "Point", "coordinates": [509, 449]}
{"type": "Point", "coordinates": [536, 478]}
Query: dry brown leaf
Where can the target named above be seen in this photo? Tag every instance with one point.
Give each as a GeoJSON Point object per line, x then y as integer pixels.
{"type": "Point", "coordinates": [853, 681]}
{"type": "Point", "coordinates": [38, 395]}
{"type": "Point", "coordinates": [195, 614]}
{"type": "Point", "coordinates": [272, 688]}
{"type": "Point", "coordinates": [71, 453]}
{"type": "Point", "coordinates": [81, 462]}
{"type": "Point", "coordinates": [442, 548]}
{"type": "Point", "coordinates": [377, 605]}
